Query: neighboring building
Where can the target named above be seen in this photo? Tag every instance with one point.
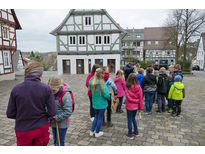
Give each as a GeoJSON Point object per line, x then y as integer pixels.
{"type": "Point", "coordinates": [86, 37]}
{"type": "Point", "coordinates": [8, 42]}
{"type": "Point", "coordinates": [158, 46]}
{"type": "Point", "coordinates": [201, 52]}
{"type": "Point", "coordinates": [18, 62]}
{"type": "Point", "coordinates": [132, 45]}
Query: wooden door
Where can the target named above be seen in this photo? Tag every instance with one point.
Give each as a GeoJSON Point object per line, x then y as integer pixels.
{"type": "Point", "coordinates": [66, 66]}
{"type": "Point", "coordinates": [99, 61]}
{"type": "Point", "coordinates": [111, 65]}
{"type": "Point", "coordinates": [80, 66]}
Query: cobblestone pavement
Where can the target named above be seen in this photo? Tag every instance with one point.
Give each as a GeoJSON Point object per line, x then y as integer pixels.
{"type": "Point", "coordinates": [155, 129]}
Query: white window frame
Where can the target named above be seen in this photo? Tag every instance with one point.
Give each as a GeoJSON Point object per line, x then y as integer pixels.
{"type": "Point", "coordinates": [107, 36]}
{"type": "Point", "coordinates": [156, 43]}
{"type": "Point", "coordinates": [80, 37]}
{"type": "Point", "coordinates": [91, 21]}
{"type": "Point", "coordinates": [5, 27]}
{"type": "Point", "coordinates": [6, 57]}
{"type": "Point", "coordinates": [69, 39]}
{"type": "Point", "coordinates": [149, 43]}
{"type": "Point", "coordinates": [96, 39]}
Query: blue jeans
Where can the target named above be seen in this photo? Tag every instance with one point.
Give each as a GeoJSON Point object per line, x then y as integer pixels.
{"type": "Point", "coordinates": [170, 103]}
{"type": "Point", "coordinates": [149, 99]}
{"type": "Point", "coordinates": [120, 104]}
{"type": "Point", "coordinates": [62, 134]}
{"type": "Point", "coordinates": [131, 119]}
{"type": "Point", "coordinates": [92, 111]}
{"type": "Point", "coordinates": [97, 122]}
{"type": "Point", "coordinates": [161, 102]}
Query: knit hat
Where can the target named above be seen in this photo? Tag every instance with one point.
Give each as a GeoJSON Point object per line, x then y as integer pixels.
{"type": "Point", "coordinates": [178, 78]}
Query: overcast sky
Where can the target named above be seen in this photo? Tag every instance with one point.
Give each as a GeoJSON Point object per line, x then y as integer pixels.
{"type": "Point", "coordinates": [37, 24]}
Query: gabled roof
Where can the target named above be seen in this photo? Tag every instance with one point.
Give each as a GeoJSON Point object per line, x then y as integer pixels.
{"type": "Point", "coordinates": [83, 12]}
{"type": "Point", "coordinates": [15, 58]}
{"type": "Point", "coordinates": [156, 33]}
{"type": "Point", "coordinates": [132, 34]}
{"type": "Point", "coordinates": [18, 26]}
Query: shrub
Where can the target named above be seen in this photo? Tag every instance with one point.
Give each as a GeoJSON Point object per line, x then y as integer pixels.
{"type": "Point", "coordinates": [144, 64]}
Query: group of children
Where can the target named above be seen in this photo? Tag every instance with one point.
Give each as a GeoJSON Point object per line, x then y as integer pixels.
{"type": "Point", "coordinates": [132, 85]}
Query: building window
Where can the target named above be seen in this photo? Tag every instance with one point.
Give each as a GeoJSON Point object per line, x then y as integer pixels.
{"type": "Point", "coordinates": [88, 21]}
{"type": "Point", "coordinates": [138, 44]}
{"type": "Point", "coordinates": [170, 42]}
{"type": "Point", "coordinates": [168, 52]}
{"type": "Point", "coordinates": [148, 42]}
{"type": "Point", "coordinates": [138, 52]}
{"type": "Point", "coordinates": [138, 36]}
{"type": "Point", "coordinates": [98, 40]}
{"type": "Point", "coordinates": [128, 52]}
{"type": "Point", "coordinates": [5, 30]}
{"type": "Point", "coordinates": [106, 39]}
{"type": "Point", "coordinates": [190, 54]}
{"type": "Point", "coordinates": [6, 59]}
{"type": "Point", "coordinates": [156, 42]}
{"type": "Point", "coordinates": [156, 53]}
{"type": "Point", "coordinates": [72, 40]}
{"type": "Point", "coordinates": [81, 40]}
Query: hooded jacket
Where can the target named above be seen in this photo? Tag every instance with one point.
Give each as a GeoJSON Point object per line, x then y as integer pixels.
{"type": "Point", "coordinates": [110, 84]}
{"type": "Point", "coordinates": [66, 111]}
{"type": "Point", "coordinates": [140, 78]}
{"type": "Point", "coordinates": [87, 82]}
{"type": "Point", "coordinates": [99, 100]}
{"type": "Point", "coordinates": [128, 69]}
{"type": "Point", "coordinates": [176, 91]}
{"type": "Point", "coordinates": [134, 98]}
{"type": "Point", "coordinates": [149, 83]}
{"type": "Point", "coordinates": [120, 86]}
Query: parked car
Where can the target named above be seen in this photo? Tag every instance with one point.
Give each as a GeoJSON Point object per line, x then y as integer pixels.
{"type": "Point", "coordinates": [196, 67]}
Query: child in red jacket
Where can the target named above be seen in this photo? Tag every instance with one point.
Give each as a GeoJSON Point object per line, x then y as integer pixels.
{"type": "Point", "coordinates": [134, 102]}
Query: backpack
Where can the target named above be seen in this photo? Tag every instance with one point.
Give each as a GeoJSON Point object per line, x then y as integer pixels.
{"type": "Point", "coordinates": [164, 85]}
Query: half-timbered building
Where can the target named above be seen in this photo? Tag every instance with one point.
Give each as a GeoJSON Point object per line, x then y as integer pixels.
{"type": "Point", "coordinates": [8, 42]}
{"type": "Point", "coordinates": [86, 37]}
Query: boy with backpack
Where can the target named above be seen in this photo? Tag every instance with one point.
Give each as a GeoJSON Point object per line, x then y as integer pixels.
{"type": "Point", "coordinates": [177, 93]}
{"type": "Point", "coordinates": [110, 84]}
{"type": "Point", "coordinates": [162, 86]}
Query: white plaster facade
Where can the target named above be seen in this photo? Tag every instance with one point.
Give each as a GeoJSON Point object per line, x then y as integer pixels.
{"type": "Point", "coordinates": [200, 60]}
{"type": "Point", "coordinates": [73, 58]}
{"type": "Point", "coordinates": [87, 34]}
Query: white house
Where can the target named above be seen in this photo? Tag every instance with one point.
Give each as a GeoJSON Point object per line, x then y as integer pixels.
{"type": "Point", "coordinates": [201, 52]}
{"type": "Point", "coordinates": [8, 42]}
{"type": "Point", "coordinates": [86, 37]}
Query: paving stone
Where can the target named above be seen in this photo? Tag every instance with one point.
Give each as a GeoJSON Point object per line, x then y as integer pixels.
{"type": "Point", "coordinates": [156, 129]}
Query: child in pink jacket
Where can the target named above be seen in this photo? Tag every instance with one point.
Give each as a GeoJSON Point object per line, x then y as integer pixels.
{"type": "Point", "coordinates": [120, 83]}
{"type": "Point", "coordinates": [134, 102]}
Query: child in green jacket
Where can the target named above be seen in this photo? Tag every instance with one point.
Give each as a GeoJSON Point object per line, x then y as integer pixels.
{"type": "Point", "coordinates": [176, 93]}
{"type": "Point", "coordinates": [100, 97]}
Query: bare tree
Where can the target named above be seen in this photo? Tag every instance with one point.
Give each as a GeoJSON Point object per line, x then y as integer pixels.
{"type": "Point", "coordinates": [187, 23]}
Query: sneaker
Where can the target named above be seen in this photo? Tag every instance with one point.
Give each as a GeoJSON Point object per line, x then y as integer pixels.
{"type": "Point", "coordinates": [121, 111]}
{"type": "Point", "coordinates": [150, 113]}
{"type": "Point", "coordinates": [98, 134]}
{"type": "Point", "coordinates": [109, 124]}
{"type": "Point", "coordinates": [130, 136]}
{"type": "Point", "coordinates": [170, 111]}
{"type": "Point", "coordinates": [92, 133]}
{"type": "Point", "coordinates": [92, 119]}
{"type": "Point", "coordinates": [136, 134]}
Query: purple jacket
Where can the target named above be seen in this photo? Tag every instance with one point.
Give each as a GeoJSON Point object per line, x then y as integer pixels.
{"type": "Point", "coordinates": [31, 103]}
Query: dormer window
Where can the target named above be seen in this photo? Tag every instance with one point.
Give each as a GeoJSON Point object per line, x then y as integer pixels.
{"type": "Point", "coordinates": [88, 21]}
